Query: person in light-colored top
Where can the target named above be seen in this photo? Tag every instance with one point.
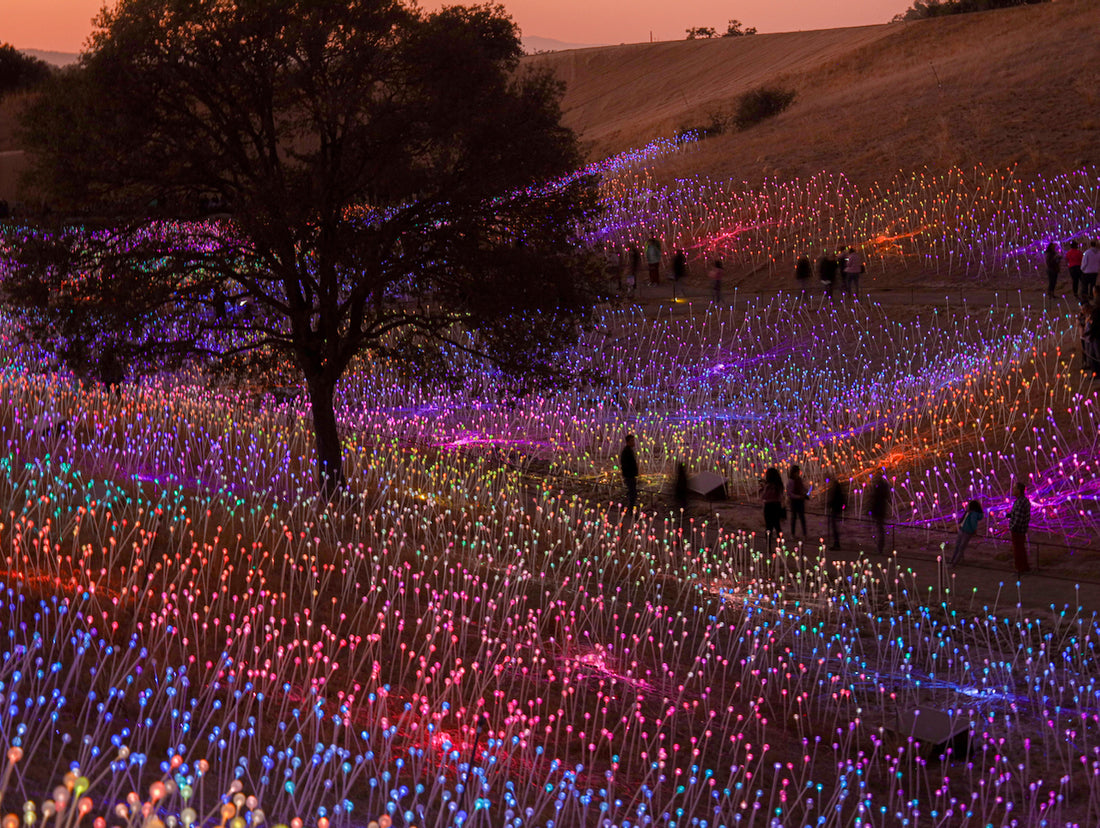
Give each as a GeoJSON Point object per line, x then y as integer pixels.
{"type": "Point", "coordinates": [852, 269]}
{"type": "Point", "coordinates": [1090, 267]}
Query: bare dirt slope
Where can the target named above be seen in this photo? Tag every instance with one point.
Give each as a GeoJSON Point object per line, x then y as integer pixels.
{"type": "Point", "coordinates": [1018, 86]}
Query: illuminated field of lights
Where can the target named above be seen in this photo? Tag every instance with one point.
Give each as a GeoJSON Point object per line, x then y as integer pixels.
{"type": "Point", "coordinates": [981, 222]}
{"type": "Point", "coordinates": [472, 635]}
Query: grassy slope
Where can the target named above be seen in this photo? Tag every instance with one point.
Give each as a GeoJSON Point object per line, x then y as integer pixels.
{"type": "Point", "coordinates": [1019, 86]}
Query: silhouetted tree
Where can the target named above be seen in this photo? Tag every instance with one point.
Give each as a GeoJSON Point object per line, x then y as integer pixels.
{"type": "Point", "coordinates": [735, 29]}
{"type": "Point", "coordinates": [19, 71]}
{"type": "Point", "coordinates": [383, 167]}
{"type": "Point", "coordinates": [701, 32]}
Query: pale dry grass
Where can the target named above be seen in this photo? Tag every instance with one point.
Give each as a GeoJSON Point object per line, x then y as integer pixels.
{"type": "Point", "coordinates": [1018, 86]}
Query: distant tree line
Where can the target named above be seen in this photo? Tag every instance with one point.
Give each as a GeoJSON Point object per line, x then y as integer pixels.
{"type": "Point", "coordinates": [922, 9]}
{"type": "Point", "coordinates": [19, 71]}
{"type": "Point", "coordinates": [733, 29]}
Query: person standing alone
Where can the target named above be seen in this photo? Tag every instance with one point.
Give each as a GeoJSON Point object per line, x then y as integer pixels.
{"type": "Point", "coordinates": [1090, 268]}
{"type": "Point", "coordinates": [653, 259]}
{"type": "Point", "coordinates": [1073, 265]}
{"type": "Point", "coordinates": [1019, 520]}
{"type": "Point", "coordinates": [880, 509]}
{"type": "Point", "coordinates": [1053, 261]}
{"type": "Point", "coordinates": [628, 467]}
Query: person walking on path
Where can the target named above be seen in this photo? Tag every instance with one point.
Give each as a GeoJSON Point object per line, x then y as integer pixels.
{"type": "Point", "coordinates": [836, 501]}
{"type": "Point", "coordinates": [653, 259]}
{"type": "Point", "coordinates": [826, 272]}
{"type": "Point", "coordinates": [1019, 519]}
{"type": "Point", "coordinates": [879, 507]}
{"type": "Point", "coordinates": [797, 495]}
{"type": "Point", "coordinates": [1073, 265]}
{"type": "Point", "coordinates": [716, 273]}
{"type": "Point", "coordinates": [968, 527]}
{"type": "Point", "coordinates": [1090, 267]}
{"type": "Point", "coordinates": [679, 269]}
{"type": "Point", "coordinates": [1053, 261]}
{"type": "Point", "coordinates": [628, 467]}
{"type": "Point", "coordinates": [853, 268]}
{"type": "Point", "coordinates": [771, 493]}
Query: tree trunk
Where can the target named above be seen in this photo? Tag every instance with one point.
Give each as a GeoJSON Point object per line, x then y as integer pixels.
{"type": "Point", "coordinates": [330, 455]}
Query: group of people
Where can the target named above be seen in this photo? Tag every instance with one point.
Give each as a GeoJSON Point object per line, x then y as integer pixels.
{"type": "Point", "coordinates": [778, 498]}
{"type": "Point", "coordinates": [1083, 265]}
{"type": "Point", "coordinates": [845, 265]}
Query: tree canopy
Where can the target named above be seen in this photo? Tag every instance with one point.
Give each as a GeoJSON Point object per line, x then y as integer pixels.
{"type": "Point", "coordinates": [19, 71]}
{"type": "Point", "coordinates": [397, 184]}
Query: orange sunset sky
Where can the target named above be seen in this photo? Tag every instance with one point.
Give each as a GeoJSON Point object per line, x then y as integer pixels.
{"type": "Point", "coordinates": [62, 25]}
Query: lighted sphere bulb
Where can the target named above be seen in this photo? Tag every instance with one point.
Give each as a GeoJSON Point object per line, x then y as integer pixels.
{"type": "Point", "coordinates": [156, 791]}
{"type": "Point", "coordinates": [15, 754]}
{"type": "Point", "coordinates": [237, 822]}
{"type": "Point", "coordinates": [202, 766]}
{"type": "Point", "coordinates": [124, 753]}
{"type": "Point", "coordinates": [10, 821]}
{"type": "Point", "coordinates": [121, 811]}
{"type": "Point", "coordinates": [384, 821]}
{"type": "Point", "coordinates": [171, 821]}
{"type": "Point", "coordinates": [258, 816]}
{"type": "Point", "coordinates": [185, 792]}
{"type": "Point", "coordinates": [188, 816]}
{"type": "Point", "coordinates": [99, 822]}
{"type": "Point", "coordinates": [29, 818]}
{"type": "Point", "coordinates": [296, 822]}
{"type": "Point", "coordinates": [239, 800]}
{"type": "Point", "coordinates": [228, 811]}
{"type": "Point", "coordinates": [321, 823]}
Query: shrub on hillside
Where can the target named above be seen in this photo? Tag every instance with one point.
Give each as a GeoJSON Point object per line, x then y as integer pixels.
{"type": "Point", "coordinates": [760, 104]}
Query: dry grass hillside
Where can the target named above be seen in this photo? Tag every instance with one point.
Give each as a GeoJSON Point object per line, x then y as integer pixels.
{"type": "Point", "coordinates": [1019, 86]}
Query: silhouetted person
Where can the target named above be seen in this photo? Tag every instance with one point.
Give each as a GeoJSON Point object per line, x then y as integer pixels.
{"type": "Point", "coordinates": [1053, 260]}
{"type": "Point", "coordinates": [1019, 520]}
{"type": "Point", "coordinates": [628, 467]}
{"type": "Point", "coordinates": [826, 271]}
{"type": "Point", "coordinates": [771, 493]}
{"type": "Point", "coordinates": [836, 501]}
{"type": "Point", "coordinates": [879, 507]}
{"type": "Point", "coordinates": [803, 270]}
{"type": "Point", "coordinates": [797, 495]}
{"type": "Point", "coordinates": [679, 269]}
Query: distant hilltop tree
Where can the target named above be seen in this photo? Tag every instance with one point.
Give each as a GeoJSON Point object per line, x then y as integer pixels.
{"type": "Point", "coordinates": [19, 71]}
{"type": "Point", "coordinates": [736, 29]}
{"type": "Point", "coordinates": [923, 9]}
